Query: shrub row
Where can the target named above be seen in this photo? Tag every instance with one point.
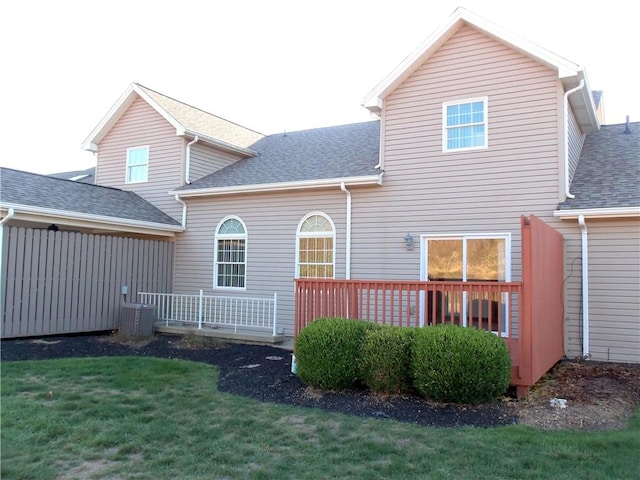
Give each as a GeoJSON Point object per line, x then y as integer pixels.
{"type": "Point", "coordinates": [444, 363]}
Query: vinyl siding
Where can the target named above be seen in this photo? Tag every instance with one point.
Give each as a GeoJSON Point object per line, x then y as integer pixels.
{"type": "Point", "coordinates": [426, 191]}
{"type": "Point", "coordinates": [206, 160]}
{"type": "Point", "coordinates": [142, 125]}
{"type": "Point", "coordinates": [614, 288]}
{"type": "Point", "coordinates": [272, 222]}
{"type": "Point", "coordinates": [576, 141]}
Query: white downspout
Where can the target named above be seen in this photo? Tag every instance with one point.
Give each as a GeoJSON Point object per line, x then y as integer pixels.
{"type": "Point", "coordinates": [585, 289]}
{"type": "Point", "coordinates": [187, 168]}
{"type": "Point", "coordinates": [10, 213]}
{"type": "Point", "coordinates": [184, 211]}
{"type": "Point", "coordinates": [566, 138]}
{"type": "Point", "coordinates": [348, 240]}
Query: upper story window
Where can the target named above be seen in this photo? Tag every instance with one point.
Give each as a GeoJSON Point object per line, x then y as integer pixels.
{"type": "Point", "coordinates": [315, 248]}
{"type": "Point", "coordinates": [137, 164]}
{"type": "Point", "coordinates": [464, 124]}
{"type": "Point", "coordinates": [230, 266]}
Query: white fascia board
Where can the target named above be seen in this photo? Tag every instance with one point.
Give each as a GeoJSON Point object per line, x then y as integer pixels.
{"type": "Point", "coordinates": [614, 212]}
{"type": "Point", "coordinates": [116, 111]}
{"type": "Point", "coordinates": [30, 212]}
{"type": "Point", "coordinates": [91, 142]}
{"type": "Point", "coordinates": [181, 132]}
{"type": "Point", "coordinates": [279, 187]}
{"type": "Point", "coordinates": [564, 67]}
{"type": "Point", "coordinates": [582, 102]}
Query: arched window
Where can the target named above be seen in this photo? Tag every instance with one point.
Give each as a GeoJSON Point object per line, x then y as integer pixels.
{"type": "Point", "coordinates": [230, 265]}
{"type": "Point", "coordinates": [315, 247]}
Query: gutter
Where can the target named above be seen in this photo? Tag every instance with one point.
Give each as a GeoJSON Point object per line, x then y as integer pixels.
{"type": "Point", "coordinates": [566, 137]}
{"type": "Point", "coordinates": [585, 289]}
{"type": "Point", "coordinates": [184, 211]}
{"type": "Point", "coordinates": [348, 239]}
{"type": "Point", "coordinates": [375, 179]}
{"type": "Point", "coordinates": [10, 214]}
{"type": "Point", "coordinates": [614, 212]}
{"type": "Point", "coordinates": [92, 218]}
{"type": "Point", "coordinates": [218, 143]}
{"type": "Point", "coordinates": [187, 168]}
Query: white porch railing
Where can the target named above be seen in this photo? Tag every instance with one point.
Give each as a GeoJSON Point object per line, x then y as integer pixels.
{"type": "Point", "coordinates": [214, 311]}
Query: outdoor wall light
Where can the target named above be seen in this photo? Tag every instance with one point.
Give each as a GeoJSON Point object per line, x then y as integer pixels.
{"type": "Point", "coordinates": [408, 241]}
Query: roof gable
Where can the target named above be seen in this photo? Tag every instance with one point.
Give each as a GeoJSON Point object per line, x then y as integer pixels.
{"type": "Point", "coordinates": [570, 73]}
{"type": "Point", "coordinates": [187, 120]}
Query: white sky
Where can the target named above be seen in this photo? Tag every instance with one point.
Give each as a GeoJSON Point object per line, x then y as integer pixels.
{"type": "Point", "coordinates": [270, 65]}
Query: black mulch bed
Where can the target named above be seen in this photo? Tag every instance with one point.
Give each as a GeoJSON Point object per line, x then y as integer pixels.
{"type": "Point", "coordinates": [264, 373]}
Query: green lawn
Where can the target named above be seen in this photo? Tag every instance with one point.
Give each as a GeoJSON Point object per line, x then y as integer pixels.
{"type": "Point", "coordinates": [145, 418]}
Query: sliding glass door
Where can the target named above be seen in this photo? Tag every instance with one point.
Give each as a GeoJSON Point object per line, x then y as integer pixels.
{"type": "Point", "coordinates": [468, 258]}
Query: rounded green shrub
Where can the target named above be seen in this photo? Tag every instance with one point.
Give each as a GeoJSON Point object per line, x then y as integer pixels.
{"type": "Point", "coordinates": [327, 352]}
{"type": "Point", "coordinates": [385, 359]}
{"type": "Point", "coordinates": [459, 365]}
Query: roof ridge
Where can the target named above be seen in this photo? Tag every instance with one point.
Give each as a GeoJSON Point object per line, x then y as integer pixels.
{"type": "Point", "coordinates": [326, 127]}
{"type": "Point", "coordinates": [65, 179]}
{"type": "Point", "coordinates": [198, 108]}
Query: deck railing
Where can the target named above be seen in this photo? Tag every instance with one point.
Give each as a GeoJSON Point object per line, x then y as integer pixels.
{"type": "Point", "coordinates": [487, 305]}
{"type": "Point", "coordinates": [214, 311]}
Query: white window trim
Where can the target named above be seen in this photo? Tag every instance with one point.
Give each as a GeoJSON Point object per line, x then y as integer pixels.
{"type": "Point", "coordinates": [225, 236]}
{"type": "Point", "coordinates": [424, 253]}
{"type": "Point", "coordinates": [445, 127]}
{"type": "Point", "coordinates": [299, 235]}
{"type": "Point", "coordinates": [126, 172]}
{"type": "Point", "coordinates": [424, 271]}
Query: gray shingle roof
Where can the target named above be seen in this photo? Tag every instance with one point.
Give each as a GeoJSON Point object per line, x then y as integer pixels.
{"type": "Point", "coordinates": [597, 96]}
{"type": "Point", "coordinates": [608, 173]}
{"type": "Point", "coordinates": [204, 123]}
{"type": "Point", "coordinates": [25, 188]}
{"type": "Point", "coordinates": [84, 176]}
{"type": "Point", "coordinates": [323, 153]}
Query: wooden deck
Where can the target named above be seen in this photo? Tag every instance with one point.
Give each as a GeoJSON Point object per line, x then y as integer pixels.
{"type": "Point", "coordinates": [527, 315]}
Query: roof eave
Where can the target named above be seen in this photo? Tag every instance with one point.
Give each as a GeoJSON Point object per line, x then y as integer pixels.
{"type": "Point", "coordinates": [373, 101]}
{"type": "Point", "coordinates": [78, 219]}
{"type": "Point", "coordinates": [117, 110]}
{"type": "Point", "coordinates": [611, 212]}
{"type": "Point", "coordinates": [246, 152]}
{"type": "Point", "coordinates": [584, 108]}
{"type": "Point", "coordinates": [282, 186]}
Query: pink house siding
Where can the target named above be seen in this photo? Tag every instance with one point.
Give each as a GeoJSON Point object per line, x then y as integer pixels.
{"type": "Point", "coordinates": [576, 140]}
{"type": "Point", "coordinates": [427, 191]}
{"type": "Point", "coordinates": [141, 125]}
{"type": "Point", "coordinates": [206, 160]}
{"type": "Point", "coordinates": [272, 220]}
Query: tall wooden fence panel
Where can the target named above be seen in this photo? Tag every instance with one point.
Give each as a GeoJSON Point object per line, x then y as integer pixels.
{"type": "Point", "coordinates": [541, 343]}
{"type": "Point", "coordinates": [68, 282]}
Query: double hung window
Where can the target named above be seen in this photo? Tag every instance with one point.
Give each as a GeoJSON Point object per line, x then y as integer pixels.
{"type": "Point", "coordinates": [137, 164]}
{"type": "Point", "coordinates": [464, 125]}
{"type": "Point", "coordinates": [315, 248]}
{"type": "Point", "coordinates": [230, 254]}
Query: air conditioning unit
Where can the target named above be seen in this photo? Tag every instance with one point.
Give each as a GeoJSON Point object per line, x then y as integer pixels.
{"type": "Point", "coordinates": [137, 320]}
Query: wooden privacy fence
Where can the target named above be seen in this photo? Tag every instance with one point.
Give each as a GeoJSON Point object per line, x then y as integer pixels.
{"type": "Point", "coordinates": [68, 282]}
